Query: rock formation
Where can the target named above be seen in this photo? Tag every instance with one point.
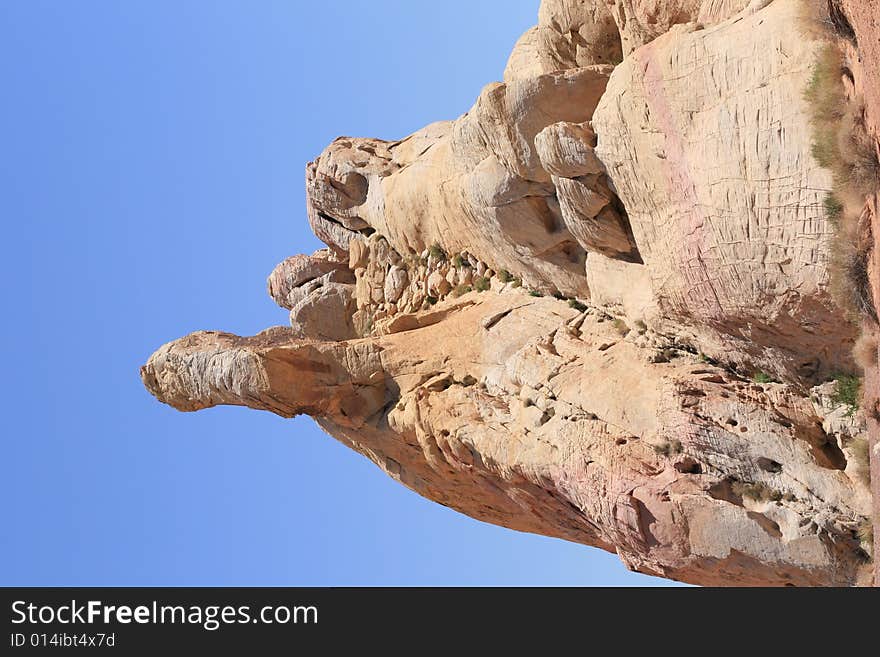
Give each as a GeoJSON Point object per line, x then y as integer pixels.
{"type": "Point", "coordinates": [596, 307]}
{"type": "Point", "coordinates": [858, 24]}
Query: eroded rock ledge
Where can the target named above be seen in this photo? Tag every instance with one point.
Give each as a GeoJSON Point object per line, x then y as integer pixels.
{"type": "Point", "coordinates": [549, 313]}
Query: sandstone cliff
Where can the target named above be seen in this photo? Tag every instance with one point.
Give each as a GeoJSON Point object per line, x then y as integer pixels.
{"type": "Point", "coordinates": [597, 306]}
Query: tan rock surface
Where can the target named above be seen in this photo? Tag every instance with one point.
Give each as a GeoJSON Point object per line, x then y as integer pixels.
{"type": "Point", "coordinates": [574, 33]}
{"type": "Point", "coordinates": [569, 34]}
{"type": "Point", "coordinates": [724, 199]}
{"type": "Point", "coordinates": [693, 474]}
{"type": "Point", "coordinates": [674, 201]}
{"type": "Point", "coordinates": [475, 184]}
{"type": "Point", "coordinates": [642, 21]}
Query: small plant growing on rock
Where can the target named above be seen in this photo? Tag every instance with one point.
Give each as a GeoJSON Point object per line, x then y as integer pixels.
{"type": "Point", "coordinates": [759, 491]}
{"type": "Point", "coordinates": [536, 293]}
{"type": "Point", "coordinates": [505, 276]}
{"type": "Point", "coordinates": [641, 326]}
{"type": "Point", "coordinates": [431, 300]}
{"type": "Point", "coordinates": [460, 262]}
{"type": "Point", "coordinates": [841, 140]}
{"type": "Point", "coordinates": [847, 392]}
{"type": "Point", "coordinates": [461, 290]}
{"type": "Point", "coordinates": [842, 143]}
{"type": "Point", "coordinates": [620, 326]}
{"type": "Point", "coordinates": [436, 251]}
{"type": "Point", "coordinates": [827, 101]}
{"type": "Point", "coordinates": [481, 284]}
{"type": "Point", "coordinates": [517, 282]}
{"type": "Point", "coordinates": [669, 448]}
{"type": "Point", "coordinates": [763, 377]}
{"type": "Point", "coordinates": [577, 305]}
{"type": "Point", "coordinates": [833, 207]}
{"type": "Point", "coordinates": [559, 296]}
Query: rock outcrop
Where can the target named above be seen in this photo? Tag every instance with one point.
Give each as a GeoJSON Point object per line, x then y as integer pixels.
{"type": "Point", "coordinates": [594, 307]}
{"type": "Point", "coordinates": [722, 193]}
{"type": "Point", "coordinates": [858, 23]}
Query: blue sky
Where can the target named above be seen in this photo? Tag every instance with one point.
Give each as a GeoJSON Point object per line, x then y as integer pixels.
{"type": "Point", "coordinates": [152, 176]}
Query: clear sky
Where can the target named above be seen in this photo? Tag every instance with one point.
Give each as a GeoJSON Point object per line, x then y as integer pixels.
{"type": "Point", "coordinates": [152, 166]}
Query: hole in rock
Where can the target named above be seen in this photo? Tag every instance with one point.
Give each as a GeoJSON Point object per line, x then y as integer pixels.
{"type": "Point", "coordinates": [769, 465]}
{"type": "Point", "coordinates": [689, 466]}
{"type": "Point", "coordinates": [723, 491]}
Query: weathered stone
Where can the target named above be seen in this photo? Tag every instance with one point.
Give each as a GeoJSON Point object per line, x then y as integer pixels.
{"type": "Point", "coordinates": [325, 313]}
{"type": "Point", "coordinates": [677, 202]}
{"type": "Point", "coordinates": [566, 150]}
{"type": "Point", "coordinates": [287, 280]}
{"type": "Point", "coordinates": [358, 254]}
{"type": "Point", "coordinates": [725, 202]}
{"type": "Point", "coordinates": [580, 461]}
{"type": "Point", "coordinates": [569, 34]}
{"type": "Point", "coordinates": [395, 283]}
{"type": "Point", "coordinates": [438, 286]}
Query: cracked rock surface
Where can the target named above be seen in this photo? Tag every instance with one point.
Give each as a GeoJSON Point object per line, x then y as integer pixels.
{"type": "Point", "coordinates": [548, 313]}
